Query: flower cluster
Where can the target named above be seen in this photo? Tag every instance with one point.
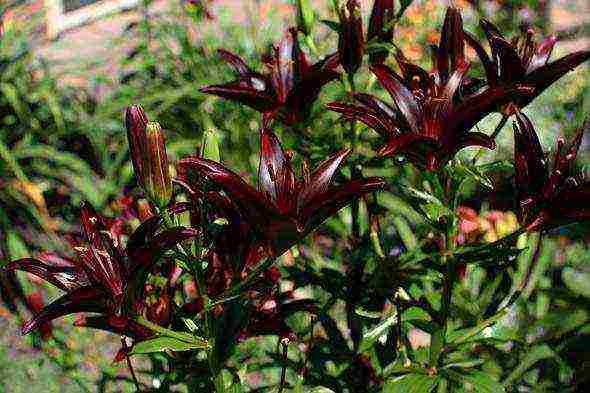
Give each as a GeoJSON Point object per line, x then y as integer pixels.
{"type": "Point", "coordinates": [433, 112]}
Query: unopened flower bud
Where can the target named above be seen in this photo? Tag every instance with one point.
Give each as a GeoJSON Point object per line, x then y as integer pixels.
{"type": "Point", "coordinates": [157, 183]}
{"type": "Point", "coordinates": [136, 121]}
{"type": "Point", "coordinates": [351, 43]}
{"type": "Point", "coordinates": [210, 149]}
{"type": "Point", "coordinates": [381, 27]}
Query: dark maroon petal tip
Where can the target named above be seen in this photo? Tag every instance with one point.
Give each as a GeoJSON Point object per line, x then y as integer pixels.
{"type": "Point", "coordinates": [85, 299]}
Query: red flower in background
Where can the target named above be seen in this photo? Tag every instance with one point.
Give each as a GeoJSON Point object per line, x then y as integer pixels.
{"type": "Point", "coordinates": [289, 88]}
{"type": "Point", "coordinates": [547, 197]}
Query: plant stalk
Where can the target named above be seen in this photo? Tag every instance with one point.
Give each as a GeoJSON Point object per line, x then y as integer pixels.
{"type": "Point", "coordinates": [130, 366]}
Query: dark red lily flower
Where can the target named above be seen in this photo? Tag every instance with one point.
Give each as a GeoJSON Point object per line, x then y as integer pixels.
{"type": "Point", "coordinates": [430, 119]}
{"type": "Point", "coordinates": [429, 131]}
{"type": "Point", "coordinates": [522, 61]}
{"type": "Point", "coordinates": [381, 27]}
{"type": "Point", "coordinates": [283, 209]}
{"type": "Point", "coordinates": [548, 197]}
{"type": "Point", "coordinates": [351, 43]}
{"type": "Point", "coordinates": [287, 91]}
{"type": "Point", "coordinates": [104, 276]}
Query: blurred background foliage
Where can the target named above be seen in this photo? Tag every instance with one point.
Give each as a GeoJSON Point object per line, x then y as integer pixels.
{"type": "Point", "coordinates": [60, 144]}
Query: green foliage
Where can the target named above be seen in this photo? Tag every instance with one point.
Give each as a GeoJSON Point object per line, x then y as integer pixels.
{"type": "Point", "coordinates": [516, 322]}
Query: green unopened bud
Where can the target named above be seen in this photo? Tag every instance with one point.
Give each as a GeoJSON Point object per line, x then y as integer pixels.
{"type": "Point", "coordinates": [157, 183]}
{"type": "Point", "coordinates": [305, 16]}
{"type": "Point", "coordinates": [210, 149]}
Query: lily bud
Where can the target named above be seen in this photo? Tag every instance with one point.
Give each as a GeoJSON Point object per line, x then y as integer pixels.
{"type": "Point", "coordinates": [381, 27]}
{"type": "Point", "coordinates": [157, 183]}
{"type": "Point", "coordinates": [211, 146]}
{"type": "Point", "coordinates": [351, 43]}
{"type": "Point", "coordinates": [305, 16]}
{"type": "Point", "coordinates": [136, 122]}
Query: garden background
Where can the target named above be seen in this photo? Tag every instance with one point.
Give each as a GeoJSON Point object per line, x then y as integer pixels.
{"type": "Point", "coordinates": [63, 91]}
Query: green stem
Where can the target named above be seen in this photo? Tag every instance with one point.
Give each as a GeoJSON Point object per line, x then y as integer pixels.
{"type": "Point", "coordinates": [198, 274]}
{"type": "Point", "coordinates": [130, 366]}
{"type": "Point", "coordinates": [355, 171]}
{"type": "Point", "coordinates": [440, 335]}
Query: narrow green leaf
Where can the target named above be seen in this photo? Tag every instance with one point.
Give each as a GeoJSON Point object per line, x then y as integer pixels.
{"type": "Point", "coordinates": [461, 336]}
{"type": "Point", "coordinates": [16, 246]}
{"type": "Point", "coordinates": [532, 356]}
{"type": "Point", "coordinates": [161, 344]}
{"type": "Point", "coordinates": [411, 383]}
{"type": "Point", "coordinates": [182, 336]}
{"type": "Point", "coordinates": [376, 332]}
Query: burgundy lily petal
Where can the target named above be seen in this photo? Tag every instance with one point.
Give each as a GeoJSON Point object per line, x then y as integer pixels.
{"type": "Point", "coordinates": [328, 203]}
{"type": "Point", "coordinates": [275, 176]}
{"type": "Point", "coordinates": [251, 201]}
{"type": "Point", "coordinates": [143, 232]}
{"type": "Point", "coordinates": [322, 177]}
{"type": "Point", "coordinates": [402, 97]}
{"type": "Point", "coordinates": [490, 31]}
{"type": "Point", "coordinates": [401, 143]}
{"type": "Point", "coordinates": [236, 61]}
{"type": "Point", "coordinates": [415, 76]}
{"type": "Point", "coordinates": [376, 105]}
{"type": "Point", "coordinates": [452, 46]}
{"type": "Point", "coordinates": [368, 115]}
{"type": "Point", "coordinates": [488, 65]}
{"type": "Point", "coordinates": [545, 76]}
{"type": "Point", "coordinates": [454, 82]}
{"type": "Point", "coordinates": [250, 91]}
{"type": "Point", "coordinates": [85, 299]}
{"type": "Point", "coordinates": [65, 277]}
{"type": "Point", "coordinates": [476, 139]}
{"type": "Point", "coordinates": [529, 161]}
{"type": "Point", "coordinates": [299, 61]}
{"type": "Point", "coordinates": [115, 324]}
{"type": "Point", "coordinates": [304, 93]}
{"type": "Point", "coordinates": [145, 256]}
{"type": "Point", "coordinates": [93, 224]}
{"type": "Point", "coordinates": [283, 76]}
{"type": "Point", "coordinates": [99, 265]}
{"type": "Point", "coordinates": [542, 54]}
{"type": "Point", "coordinates": [575, 201]}
{"type": "Point", "coordinates": [511, 65]}
{"type": "Point", "coordinates": [476, 106]}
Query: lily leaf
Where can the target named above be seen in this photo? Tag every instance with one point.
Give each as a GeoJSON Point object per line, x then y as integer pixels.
{"type": "Point", "coordinates": [161, 344]}
{"type": "Point", "coordinates": [411, 383]}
